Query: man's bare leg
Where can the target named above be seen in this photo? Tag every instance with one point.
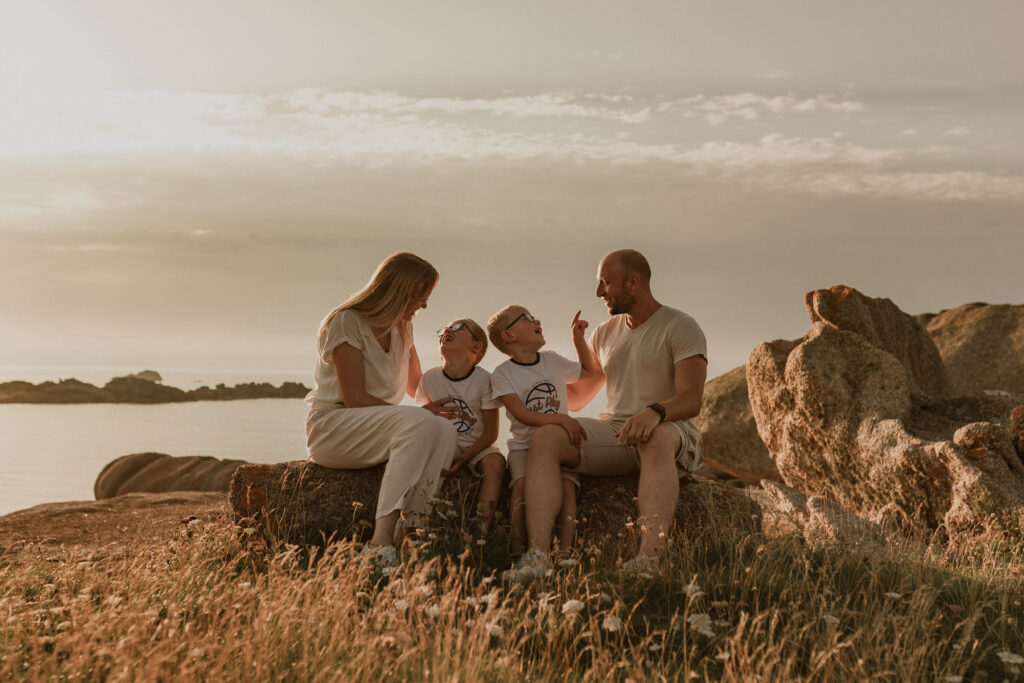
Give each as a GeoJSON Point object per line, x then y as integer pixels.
{"type": "Point", "coordinates": [658, 491]}
{"type": "Point", "coordinates": [549, 450]}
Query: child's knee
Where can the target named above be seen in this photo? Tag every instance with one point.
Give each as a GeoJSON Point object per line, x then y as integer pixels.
{"type": "Point", "coordinates": [492, 465]}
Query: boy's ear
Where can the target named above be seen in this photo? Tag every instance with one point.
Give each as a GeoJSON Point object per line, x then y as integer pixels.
{"type": "Point", "coordinates": [476, 347]}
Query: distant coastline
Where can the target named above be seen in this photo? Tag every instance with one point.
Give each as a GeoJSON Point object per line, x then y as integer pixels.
{"type": "Point", "coordinates": [135, 389]}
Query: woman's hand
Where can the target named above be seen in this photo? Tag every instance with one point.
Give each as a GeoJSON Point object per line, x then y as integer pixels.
{"type": "Point", "coordinates": [438, 407]}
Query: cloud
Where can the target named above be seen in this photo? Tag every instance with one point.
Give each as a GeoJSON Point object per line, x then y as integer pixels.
{"type": "Point", "coordinates": [718, 109]}
{"type": "Point", "coordinates": [379, 129]}
{"type": "Point", "coordinates": [959, 131]}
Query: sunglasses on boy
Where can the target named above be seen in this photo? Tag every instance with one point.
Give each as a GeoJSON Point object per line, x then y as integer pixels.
{"type": "Point", "coordinates": [529, 319]}
{"type": "Point", "coordinates": [455, 328]}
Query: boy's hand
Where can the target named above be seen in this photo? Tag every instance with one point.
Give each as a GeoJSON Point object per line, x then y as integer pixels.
{"type": "Point", "coordinates": [574, 429]}
{"type": "Point", "coordinates": [438, 407]}
{"type": "Point", "coordinates": [578, 326]}
{"type": "Point", "coordinates": [458, 462]}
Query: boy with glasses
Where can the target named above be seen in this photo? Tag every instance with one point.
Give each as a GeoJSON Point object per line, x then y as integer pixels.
{"type": "Point", "coordinates": [462, 392]}
{"type": "Point", "coordinates": [532, 385]}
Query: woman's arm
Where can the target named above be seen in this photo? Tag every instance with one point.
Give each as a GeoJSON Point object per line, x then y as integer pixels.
{"type": "Point", "coordinates": [415, 372]}
{"type": "Point", "coordinates": [348, 367]}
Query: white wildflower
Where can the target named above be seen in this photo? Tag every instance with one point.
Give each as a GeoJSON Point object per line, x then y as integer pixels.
{"type": "Point", "coordinates": [401, 605]}
{"type": "Point", "coordinates": [611, 623]}
{"type": "Point", "coordinates": [720, 603]}
{"type": "Point", "coordinates": [196, 653]}
{"type": "Point", "coordinates": [572, 606]}
{"type": "Point", "coordinates": [831, 619]}
{"type": "Point", "coordinates": [244, 584]}
{"type": "Point", "coordinates": [952, 678]}
{"type": "Point", "coordinates": [894, 596]}
{"type": "Point", "coordinates": [693, 589]}
{"type": "Point", "coordinates": [1007, 657]}
{"type": "Point", "coordinates": [113, 600]}
{"type": "Point", "coordinates": [605, 598]}
{"type": "Point", "coordinates": [570, 562]}
{"type": "Point", "coordinates": [249, 531]}
{"type": "Point", "coordinates": [193, 522]}
{"type": "Point", "coordinates": [495, 630]}
{"type": "Point", "coordinates": [543, 595]}
{"type": "Point", "coordinates": [701, 623]}
{"type": "Point", "coordinates": [426, 590]}
{"type": "Point", "coordinates": [722, 656]}
{"type": "Point", "coordinates": [486, 580]}
{"type": "Point", "coordinates": [432, 611]}
{"type": "Point", "coordinates": [481, 541]}
{"type": "Point", "coordinates": [654, 647]}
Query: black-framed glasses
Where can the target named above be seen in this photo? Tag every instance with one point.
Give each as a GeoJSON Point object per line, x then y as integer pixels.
{"type": "Point", "coordinates": [455, 328]}
{"type": "Point", "coordinates": [529, 319]}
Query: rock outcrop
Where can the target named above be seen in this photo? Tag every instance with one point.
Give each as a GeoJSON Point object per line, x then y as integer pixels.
{"type": "Point", "coordinates": [858, 412]}
{"type": "Point", "coordinates": [160, 473]}
{"type": "Point", "coordinates": [982, 346]}
{"type": "Point", "coordinates": [133, 389]}
{"type": "Point", "coordinates": [820, 521]}
{"type": "Point", "coordinates": [729, 439]}
{"type": "Point", "coordinates": [305, 503]}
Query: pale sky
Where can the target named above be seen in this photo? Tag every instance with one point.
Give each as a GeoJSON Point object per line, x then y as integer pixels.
{"type": "Point", "coordinates": [194, 184]}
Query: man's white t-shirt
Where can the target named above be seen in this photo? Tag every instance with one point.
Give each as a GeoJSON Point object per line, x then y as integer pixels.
{"type": "Point", "coordinates": [639, 364]}
{"type": "Point", "coordinates": [471, 396]}
{"type": "Point", "coordinates": [385, 372]}
{"type": "Point", "coordinates": [539, 385]}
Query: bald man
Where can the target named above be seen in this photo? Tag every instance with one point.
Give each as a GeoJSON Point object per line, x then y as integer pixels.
{"type": "Point", "coordinates": [655, 364]}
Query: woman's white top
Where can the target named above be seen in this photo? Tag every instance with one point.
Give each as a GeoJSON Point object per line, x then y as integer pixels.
{"type": "Point", "coordinates": [385, 372]}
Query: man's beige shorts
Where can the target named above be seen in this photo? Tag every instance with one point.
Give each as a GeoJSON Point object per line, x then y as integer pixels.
{"type": "Point", "coordinates": [517, 468]}
{"type": "Point", "coordinates": [602, 456]}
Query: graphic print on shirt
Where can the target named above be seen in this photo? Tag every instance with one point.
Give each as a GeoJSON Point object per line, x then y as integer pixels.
{"type": "Point", "coordinates": [543, 398]}
{"type": "Point", "coordinates": [464, 418]}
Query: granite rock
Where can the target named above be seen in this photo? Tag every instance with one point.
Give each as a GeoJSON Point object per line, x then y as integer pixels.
{"type": "Point", "coordinates": [982, 346]}
{"type": "Point", "coordinates": [159, 473]}
{"type": "Point", "coordinates": [305, 503]}
{"type": "Point", "coordinates": [846, 419]}
{"type": "Point", "coordinates": [729, 439]}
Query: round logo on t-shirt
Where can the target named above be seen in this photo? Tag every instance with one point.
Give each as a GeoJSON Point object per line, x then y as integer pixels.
{"type": "Point", "coordinates": [543, 398]}
{"type": "Point", "coordinates": [464, 419]}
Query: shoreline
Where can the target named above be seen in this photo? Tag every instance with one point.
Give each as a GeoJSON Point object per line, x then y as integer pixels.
{"type": "Point", "coordinates": [134, 390]}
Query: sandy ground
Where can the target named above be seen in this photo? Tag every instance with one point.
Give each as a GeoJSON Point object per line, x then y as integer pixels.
{"type": "Point", "coordinates": [97, 529]}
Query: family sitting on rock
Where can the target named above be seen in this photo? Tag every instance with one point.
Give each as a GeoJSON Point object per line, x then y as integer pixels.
{"type": "Point", "coordinates": [651, 358]}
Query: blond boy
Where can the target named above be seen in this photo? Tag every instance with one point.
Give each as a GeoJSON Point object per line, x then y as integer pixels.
{"type": "Point", "coordinates": [463, 390]}
{"type": "Point", "coordinates": [532, 385]}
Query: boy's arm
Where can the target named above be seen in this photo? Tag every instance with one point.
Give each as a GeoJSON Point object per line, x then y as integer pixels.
{"type": "Point", "coordinates": [591, 378]}
{"type": "Point", "coordinates": [485, 440]}
{"type": "Point", "coordinates": [515, 407]}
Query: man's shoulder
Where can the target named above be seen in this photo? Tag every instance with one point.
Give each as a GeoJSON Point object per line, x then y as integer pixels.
{"type": "Point", "coordinates": [673, 317]}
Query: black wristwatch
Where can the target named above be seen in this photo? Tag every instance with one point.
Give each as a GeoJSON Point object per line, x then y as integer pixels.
{"type": "Point", "coordinates": [659, 409]}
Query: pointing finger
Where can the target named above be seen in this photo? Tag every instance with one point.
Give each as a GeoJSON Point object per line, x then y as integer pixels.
{"type": "Point", "coordinates": [576, 318]}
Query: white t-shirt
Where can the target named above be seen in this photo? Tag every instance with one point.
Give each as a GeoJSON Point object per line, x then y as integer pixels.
{"type": "Point", "coordinates": [640, 363]}
{"type": "Point", "coordinates": [471, 395]}
{"type": "Point", "coordinates": [385, 372]}
{"type": "Point", "coordinates": [540, 386]}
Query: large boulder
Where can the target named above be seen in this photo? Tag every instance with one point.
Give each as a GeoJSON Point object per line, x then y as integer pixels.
{"type": "Point", "coordinates": [884, 325]}
{"type": "Point", "coordinates": [846, 418]}
{"type": "Point", "coordinates": [982, 346]}
{"type": "Point", "coordinates": [729, 439]}
{"type": "Point", "coordinates": [305, 503]}
{"type": "Point", "coordinates": [160, 473]}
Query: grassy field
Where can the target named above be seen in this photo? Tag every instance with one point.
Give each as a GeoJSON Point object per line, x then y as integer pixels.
{"type": "Point", "coordinates": [727, 604]}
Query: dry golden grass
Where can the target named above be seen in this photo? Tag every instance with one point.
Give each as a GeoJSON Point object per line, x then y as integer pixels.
{"type": "Point", "coordinates": [727, 604]}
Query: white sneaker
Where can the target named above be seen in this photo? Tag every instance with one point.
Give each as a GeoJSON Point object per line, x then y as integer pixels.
{"type": "Point", "coordinates": [382, 557]}
{"type": "Point", "coordinates": [531, 565]}
{"type": "Point", "coordinates": [641, 566]}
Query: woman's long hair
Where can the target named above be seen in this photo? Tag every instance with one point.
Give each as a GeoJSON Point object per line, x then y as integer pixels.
{"type": "Point", "coordinates": [400, 279]}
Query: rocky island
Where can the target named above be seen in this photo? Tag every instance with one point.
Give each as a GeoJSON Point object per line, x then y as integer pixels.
{"type": "Point", "coordinates": [143, 387]}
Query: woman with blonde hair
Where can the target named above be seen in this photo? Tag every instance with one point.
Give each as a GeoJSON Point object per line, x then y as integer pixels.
{"type": "Point", "coordinates": [366, 361]}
